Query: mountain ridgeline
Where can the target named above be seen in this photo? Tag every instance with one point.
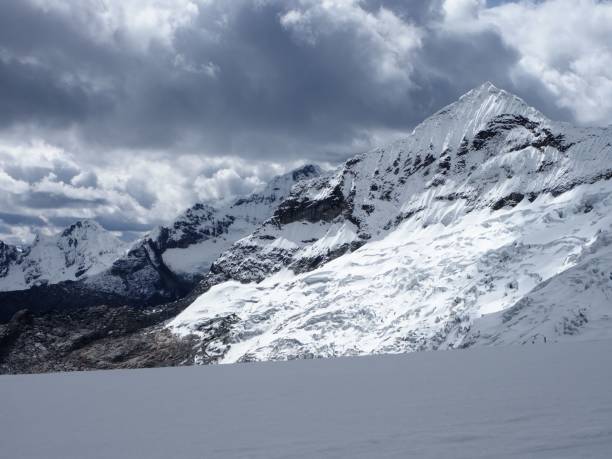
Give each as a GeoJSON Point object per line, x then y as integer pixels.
{"type": "Point", "coordinates": [86, 266]}
{"type": "Point", "coordinates": [488, 224]}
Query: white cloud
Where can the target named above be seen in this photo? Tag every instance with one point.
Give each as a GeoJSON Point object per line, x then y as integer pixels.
{"type": "Point", "coordinates": [391, 38]}
{"type": "Point", "coordinates": [9, 185]}
{"type": "Point", "coordinates": [565, 44]}
{"type": "Point", "coordinates": [224, 185]}
{"type": "Point", "coordinates": [462, 10]}
{"type": "Point", "coordinates": [568, 45]}
{"type": "Point", "coordinates": [42, 182]}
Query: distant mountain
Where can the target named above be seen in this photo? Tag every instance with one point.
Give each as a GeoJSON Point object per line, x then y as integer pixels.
{"type": "Point", "coordinates": [82, 249]}
{"type": "Point", "coordinates": [489, 224]}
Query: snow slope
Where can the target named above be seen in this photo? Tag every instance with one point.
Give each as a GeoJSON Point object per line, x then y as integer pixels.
{"type": "Point", "coordinates": [545, 402]}
{"type": "Point", "coordinates": [82, 249]}
{"type": "Point", "coordinates": [575, 302]}
{"type": "Point", "coordinates": [404, 247]}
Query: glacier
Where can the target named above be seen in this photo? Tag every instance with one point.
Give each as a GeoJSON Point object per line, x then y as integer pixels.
{"type": "Point", "coordinates": [415, 245]}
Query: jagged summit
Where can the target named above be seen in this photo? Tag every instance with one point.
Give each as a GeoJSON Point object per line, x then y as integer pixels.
{"type": "Point", "coordinates": [486, 88]}
{"type": "Point", "coordinates": [470, 114]}
{"type": "Point", "coordinates": [80, 228]}
{"type": "Point", "coordinates": [492, 100]}
{"type": "Point", "coordinates": [489, 92]}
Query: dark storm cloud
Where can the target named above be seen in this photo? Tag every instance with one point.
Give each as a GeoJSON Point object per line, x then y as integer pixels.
{"type": "Point", "coordinates": [256, 89]}
{"type": "Point", "coordinates": [19, 219]}
{"type": "Point", "coordinates": [49, 200]}
{"type": "Point", "coordinates": [109, 222]}
{"type": "Point", "coordinates": [458, 62]}
{"type": "Point", "coordinates": [38, 51]}
{"type": "Point", "coordinates": [33, 174]}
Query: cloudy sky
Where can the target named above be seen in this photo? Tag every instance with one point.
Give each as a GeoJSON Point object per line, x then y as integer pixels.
{"type": "Point", "coordinates": [129, 111]}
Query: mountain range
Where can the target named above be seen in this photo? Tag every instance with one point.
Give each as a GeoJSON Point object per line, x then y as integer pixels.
{"type": "Point", "coordinates": [86, 265]}
{"type": "Point", "coordinates": [489, 224]}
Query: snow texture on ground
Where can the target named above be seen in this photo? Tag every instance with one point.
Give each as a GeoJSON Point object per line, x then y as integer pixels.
{"type": "Point", "coordinates": [539, 401]}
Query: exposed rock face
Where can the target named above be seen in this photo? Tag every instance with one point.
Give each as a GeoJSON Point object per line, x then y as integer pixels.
{"type": "Point", "coordinates": [99, 337]}
{"type": "Point", "coordinates": [303, 208]}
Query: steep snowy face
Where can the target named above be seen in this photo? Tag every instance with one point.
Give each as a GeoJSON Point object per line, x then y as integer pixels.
{"type": "Point", "coordinates": [260, 206]}
{"type": "Point", "coordinates": [206, 232]}
{"type": "Point", "coordinates": [402, 248]}
{"type": "Point", "coordinates": [573, 303]}
{"type": "Point", "coordinates": [82, 249]}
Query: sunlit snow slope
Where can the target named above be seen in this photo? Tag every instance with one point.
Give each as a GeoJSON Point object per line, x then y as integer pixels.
{"type": "Point", "coordinates": [486, 205]}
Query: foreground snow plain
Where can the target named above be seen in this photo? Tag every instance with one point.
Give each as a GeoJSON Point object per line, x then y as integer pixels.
{"type": "Point", "coordinates": [534, 401]}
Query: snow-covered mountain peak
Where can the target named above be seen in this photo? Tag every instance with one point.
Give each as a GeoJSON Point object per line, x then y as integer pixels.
{"type": "Point", "coordinates": [470, 115]}
{"type": "Point", "coordinates": [488, 94]}
{"type": "Point", "coordinates": [485, 89]}
{"type": "Point", "coordinates": [89, 238]}
{"type": "Point", "coordinates": [84, 248]}
{"type": "Point", "coordinates": [403, 247]}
